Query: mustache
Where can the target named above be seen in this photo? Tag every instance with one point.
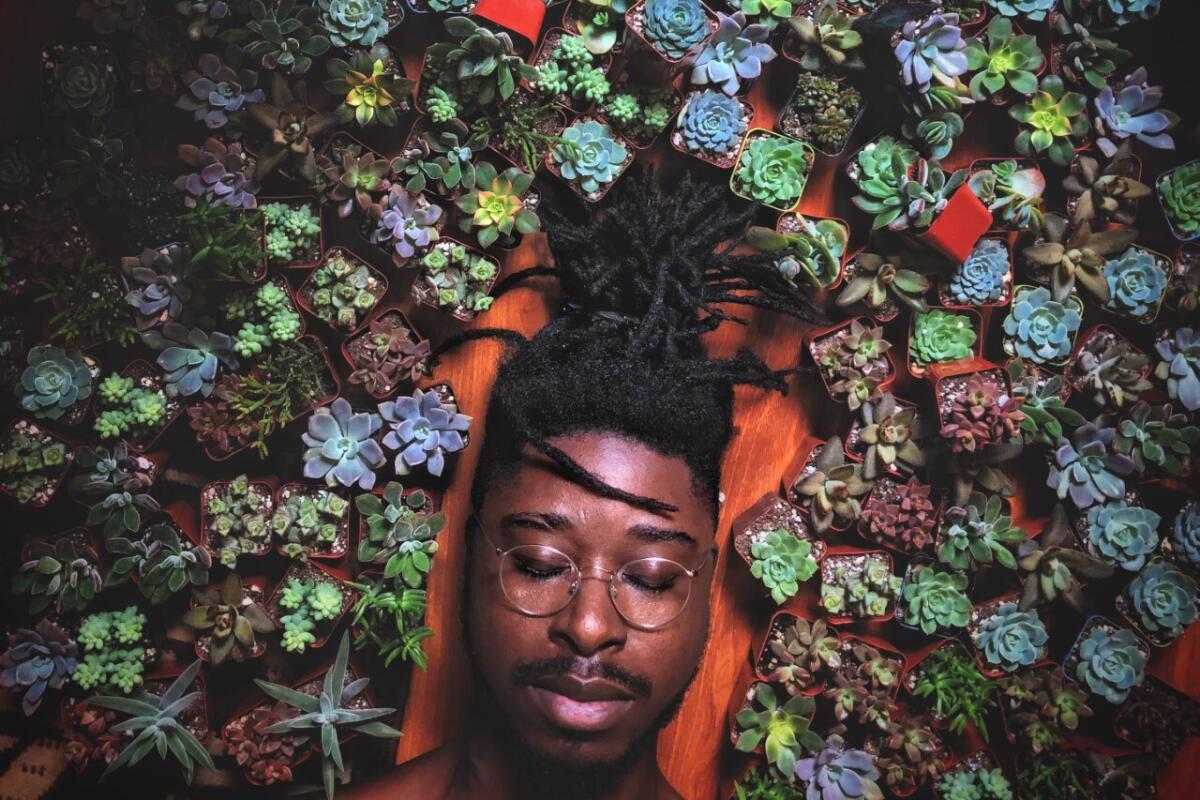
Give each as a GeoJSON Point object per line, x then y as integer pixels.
{"type": "Point", "coordinates": [530, 672]}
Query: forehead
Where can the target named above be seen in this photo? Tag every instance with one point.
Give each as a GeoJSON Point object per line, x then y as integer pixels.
{"type": "Point", "coordinates": [537, 484]}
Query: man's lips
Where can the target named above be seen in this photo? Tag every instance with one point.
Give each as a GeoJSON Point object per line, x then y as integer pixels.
{"type": "Point", "coordinates": [579, 704]}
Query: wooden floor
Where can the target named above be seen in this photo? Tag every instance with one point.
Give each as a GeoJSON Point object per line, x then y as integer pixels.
{"type": "Point", "coordinates": [694, 750]}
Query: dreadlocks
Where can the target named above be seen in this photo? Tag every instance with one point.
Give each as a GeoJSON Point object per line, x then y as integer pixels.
{"type": "Point", "coordinates": [641, 280]}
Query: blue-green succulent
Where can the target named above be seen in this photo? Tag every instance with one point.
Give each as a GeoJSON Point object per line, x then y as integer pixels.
{"type": "Point", "coordinates": [1179, 366]}
{"type": "Point", "coordinates": [736, 53]}
{"type": "Point", "coordinates": [1085, 469]}
{"type": "Point", "coordinates": [1185, 535]}
{"type": "Point", "coordinates": [1032, 10]}
{"type": "Point", "coordinates": [589, 155]}
{"type": "Point", "coordinates": [1011, 638]}
{"type": "Point", "coordinates": [54, 380]}
{"type": "Point", "coordinates": [341, 447]}
{"type": "Point", "coordinates": [191, 358]}
{"type": "Point", "coordinates": [1164, 599]}
{"type": "Point", "coordinates": [1121, 534]}
{"type": "Point", "coordinates": [983, 277]}
{"type": "Point", "coordinates": [712, 122]}
{"type": "Point", "coordinates": [1116, 13]}
{"type": "Point", "coordinates": [1136, 283]}
{"type": "Point", "coordinates": [353, 23]}
{"type": "Point", "coordinates": [1040, 329]}
{"type": "Point", "coordinates": [1111, 662]}
{"type": "Point", "coordinates": [674, 27]}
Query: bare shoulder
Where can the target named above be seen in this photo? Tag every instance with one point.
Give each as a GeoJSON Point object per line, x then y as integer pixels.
{"type": "Point", "coordinates": [429, 775]}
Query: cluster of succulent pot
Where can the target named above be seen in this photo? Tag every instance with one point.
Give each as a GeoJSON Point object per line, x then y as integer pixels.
{"type": "Point", "coordinates": [119, 248]}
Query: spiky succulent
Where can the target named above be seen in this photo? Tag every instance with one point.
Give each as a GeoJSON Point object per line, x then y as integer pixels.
{"type": "Point", "coordinates": [782, 561]}
{"type": "Point", "coordinates": [892, 434]}
{"type": "Point", "coordinates": [1052, 122]}
{"type": "Point", "coordinates": [1112, 372]}
{"type": "Point", "coordinates": [930, 49]}
{"type": "Point", "coordinates": [936, 599]}
{"type": "Point", "coordinates": [1154, 436]}
{"type": "Point", "coordinates": [1110, 661]}
{"type": "Point", "coordinates": [341, 447]}
{"type": "Point", "coordinates": [979, 533]}
{"type": "Point", "coordinates": [734, 54]}
{"type": "Point", "coordinates": [1040, 329]}
{"type": "Point", "coordinates": [834, 487]}
{"type": "Point", "coordinates": [1052, 567]}
{"type": "Point", "coordinates": [1084, 469]}
{"type": "Point", "coordinates": [1010, 638]}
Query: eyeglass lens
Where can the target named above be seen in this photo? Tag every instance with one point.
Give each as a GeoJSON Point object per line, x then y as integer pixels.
{"type": "Point", "coordinates": [541, 581]}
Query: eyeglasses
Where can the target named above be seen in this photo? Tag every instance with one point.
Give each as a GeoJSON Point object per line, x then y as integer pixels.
{"type": "Point", "coordinates": [540, 581]}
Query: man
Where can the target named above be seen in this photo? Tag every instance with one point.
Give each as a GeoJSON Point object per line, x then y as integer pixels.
{"type": "Point", "coordinates": [592, 547]}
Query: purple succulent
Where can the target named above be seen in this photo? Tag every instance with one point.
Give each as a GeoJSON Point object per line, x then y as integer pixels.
{"type": "Point", "coordinates": [408, 221]}
{"type": "Point", "coordinates": [158, 278]}
{"type": "Point", "coordinates": [218, 90]}
{"type": "Point", "coordinates": [423, 431]}
{"type": "Point", "coordinates": [341, 447]}
{"type": "Point", "coordinates": [931, 48]}
{"type": "Point", "coordinates": [1085, 468]}
{"type": "Point", "coordinates": [223, 174]}
{"type": "Point", "coordinates": [1130, 108]}
{"type": "Point", "coordinates": [36, 660]}
{"type": "Point", "coordinates": [736, 53]}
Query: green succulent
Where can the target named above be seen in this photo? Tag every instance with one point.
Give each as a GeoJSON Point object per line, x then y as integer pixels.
{"type": "Point", "coordinates": [1012, 193]}
{"type": "Point", "coordinates": [494, 208]}
{"type": "Point", "coordinates": [953, 688]}
{"type": "Point", "coordinates": [1121, 534]}
{"type": "Point", "coordinates": [1000, 59]}
{"type": "Point", "coordinates": [935, 599]}
{"type": "Point", "coordinates": [55, 380]}
{"type": "Point", "coordinates": [812, 254]}
{"type": "Point", "coordinates": [1154, 436]}
{"type": "Point", "coordinates": [773, 170]}
{"type": "Point", "coordinates": [1164, 599]}
{"type": "Point", "coordinates": [114, 651]}
{"type": "Point", "coordinates": [61, 573]}
{"type": "Point", "coordinates": [975, 784]}
{"type": "Point", "coordinates": [979, 533]}
{"type": "Point", "coordinates": [781, 729]}
{"type": "Point", "coordinates": [1086, 59]}
{"type": "Point", "coordinates": [826, 39]}
{"type": "Point", "coordinates": [1011, 638]}
{"type": "Point", "coordinates": [880, 280]}
{"type": "Point", "coordinates": [476, 71]}
{"type": "Point", "coordinates": [1046, 415]}
{"type": "Point", "coordinates": [768, 13]}
{"type": "Point", "coordinates": [823, 111]}
{"type": "Point", "coordinates": [1052, 567]}
{"type": "Point", "coordinates": [939, 336]}
{"type": "Point", "coordinates": [400, 533]}
{"type": "Point", "coordinates": [900, 189]}
{"type": "Point", "coordinates": [1053, 122]}
{"type": "Point", "coordinates": [353, 23]}
{"type": "Point", "coordinates": [370, 92]}
{"type": "Point", "coordinates": [281, 34]}
{"type": "Point", "coordinates": [782, 561]}
{"type": "Point", "coordinates": [833, 488]}
{"type": "Point", "coordinates": [310, 521]}
{"type": "Point", "coordinates": [1110, 661]}
{"type": "Point", "coordinates": [862, 593]}
{"type": "Point", "coordinates": [1179, 192]}
{"type": "Point", "coordinates": [85, 82]}
{"type": "Point", "coordinates": [31, 461]}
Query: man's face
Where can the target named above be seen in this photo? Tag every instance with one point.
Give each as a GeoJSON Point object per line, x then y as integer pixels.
{"type": "Point", "coordinates": [582, 686]}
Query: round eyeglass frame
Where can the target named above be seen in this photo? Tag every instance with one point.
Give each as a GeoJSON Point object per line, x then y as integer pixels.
{"type": "Point", "coordinates": [580, 575]}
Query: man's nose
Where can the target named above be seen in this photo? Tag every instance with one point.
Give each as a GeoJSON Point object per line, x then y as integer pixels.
{"type": "Point", "coordinates": [590, 623]}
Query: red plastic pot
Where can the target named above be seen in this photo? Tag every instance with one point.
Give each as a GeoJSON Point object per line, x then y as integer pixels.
{"type": "Point", "coordinates": [836, 556]}
{"type": "Point", "coordinates": [758, 654]}
{"type": "Point", "coordinates": [50, 488]}
{"type": "Point", "coordinates": [814, 338]}
{"type": "Point", "coordinates": [960, 225]}
{"type": "Point", "coordinates": [313, 257]}
{"type": "Point", "coordinates": [305, 292]}
{"type": "Point", "coordinates": [918, 370]}
{"type": "Point", "coordinates": [521, 17]}
{"type": "Point", "coordinates": [312, 570]}
{"type": "Point", "coordinates": [265, 484]}
{"type": "Point", "coordinates": [392, 309]}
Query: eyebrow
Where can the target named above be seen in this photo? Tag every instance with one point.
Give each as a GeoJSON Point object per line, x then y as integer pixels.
{"type": "Point", "coordinates": [558, 522]}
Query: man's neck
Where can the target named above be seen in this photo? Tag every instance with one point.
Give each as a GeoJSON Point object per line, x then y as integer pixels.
{"type": "Point", "coordinates": [487, 765]}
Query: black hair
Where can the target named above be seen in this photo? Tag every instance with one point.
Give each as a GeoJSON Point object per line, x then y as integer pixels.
{"type": "Point", "coordinates": [641, 279]}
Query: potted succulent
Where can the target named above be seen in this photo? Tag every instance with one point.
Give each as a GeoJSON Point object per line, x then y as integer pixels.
{"type": "Point", "coordinates": [265, 758]}
{"type": "Point", "coordinates": [233, 518]}
{"type": "Point", "coordinates": [63, 572]}
{"type": "Point", "coordinates": [371, 86]}
{"type": "Point", "coordinates": [798, 654]}
{"type": "Point", "coordinates": [733, 58]}
{"type": "Point", "coordinates": [161, 561]}
{"type": "Point", "coordinates": [1007, 639]}
{"type": "Point", "coordinates": [568, 72]}
{"type": "Point", "coordinates": [523, 130]}
{"type": "Point", "coordinates": [1040, 329]}
{"type": "Point", "coordinates": [307, 605]}
{"type": "Point", "coordinates": [823, 111]}
{"type": "Point", "coordinates": [474, 50]}
{"type": "Point", "coordinates": [1106, 659]}
{"type": "Point", "coordinates": [874, 661]}
{"type": "Point", "coordinates": [137, 405]}
{"type": "Point", "coordinates": [853, 361]}
{"type": "Point", "coordinates": [1177, 190]}
{"type": "Point", "coordinates": [115, 651]}
{"type": "Point", "coordinates": [1137, 283]}
{"type": "Point", "coordinates": [772, 537]}
{"type": "Point", "coordinates": [37, 659]}
{"type": "Point", "coordinates": [948, 683]}
{"type": "Point", "coordinates": [33, 463]}
{"type": "Point", "coordinates": [771, 169]}
{"type": "Point", "coordinates": [397, 528]}
{"type": "Point", "coordinates": [1052, 566]}
{"type": "Point", "coordinates": [601, 23]}
{"type": "Point", "coordinates": [910, 755]}
{"type": "Point", "coordinates": [115, 486]}
{"type": "Point", "coordinates": [1109, 193]}
{"type": "Point", "coordinates": [310, 522]}
{"type": "Point", "coordinates": [456, 278]}
{"type": "Point", "coordinates": [937, 337]}
{"type": "Point", "coordinates": [223, 620]}
{"type": "Point", "coordinates": [389, 353]}
{"type": "Point", "coordinates": [1067, 771]}
{"type": "Point", "coordinates": [295, 235]}
{"type": "Point", "coordinates": [1053, 121]}
{"type": "Point", "coordinates": [838, 767]}
{"type": "Point", "coordinates": [1160, 602]}
{"type": "Point", "coordinates": [227, 244]}
{"type": "Point", "coordinates": [933, 599]}
{"type": "Point", "coordinates": [1040, 708]}
{"type": "Point", "coordinates": [1179, 365]}
{"type": "Point", "coordinates": [1183, 287]}
{"type": "Point", "coordinates": [829, 487]}
{"type": "Point", "coordinates": [343, 290]}
{"type": "Point", "coordinates": [403, 223]}
{"type": "Point", "coordinates": [500, 207]}
{"type": "Point", "coordinates": [1156, 719]}
{"type": "Point", "coordinates": [590, 157]}
{"type": "Point", "coordinates": [673, 30]}
{"type": "Point", "coordinates": [352, 175]}
{"type": "Point", "coordinates": [1012, 189]}
{"type": "Point", "coordinates": [817, 245]}
{"type": "Point", "coordinates": [640, 110]}
{"type": "Point", "coordinates": [976, 775]}
{"type": "Point", "coordinates": [1182, 544]}
{"type": "Point", "coordinates": [884, 283]}
{"type": "Point", "coordinates": [821, 37]}
{"type": "Point", "coordinates": [56, 384]}
{"type": "Point", "coordinates": [976, 409]}
{"type": "Point", "coordinates": [977, 533]}
{"type": "Point", "coordinates": [1043, 397]}
{"type": "Point", "coordinates": [1108, 369]}
{"type": "Point", "coordinates": [710, 126]}
{"type": "Point", "coordinates": [424, 429]}
{"type": "Point", "coordinates": [983, 280]}
{"type": "Point", "coordinates": [900, 516]}
{"type": "Point", "coordinates": [858, 585]}
{"type": "Point", "coordinates": [440, 159]}
{"type": "Point", "coordinates": [777, 725]}
{"type": "Point", "coordinates": [264, 316]}
{"type": "Point", "coordinates": [888, 437]}
{"type": "Point", "coordinates": [1004, 61]}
